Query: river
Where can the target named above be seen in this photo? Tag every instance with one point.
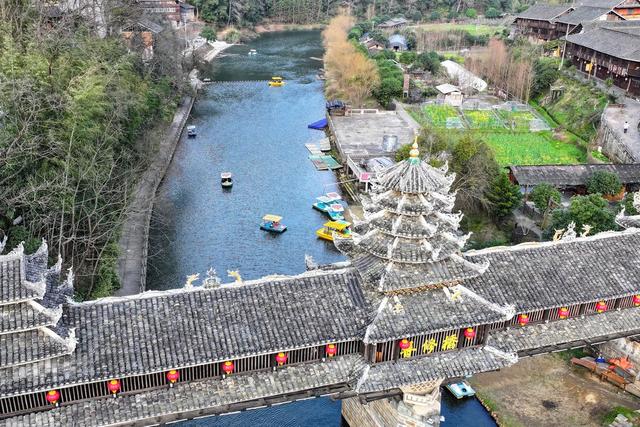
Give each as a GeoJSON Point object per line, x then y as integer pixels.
{"type": "Point", "coordinates": [257, 133]}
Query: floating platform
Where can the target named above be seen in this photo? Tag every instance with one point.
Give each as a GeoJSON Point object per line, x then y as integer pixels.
{"type": "Point", "coordinates": [324, 162]}
{"type": "Point", "coordinates": [461, 389]}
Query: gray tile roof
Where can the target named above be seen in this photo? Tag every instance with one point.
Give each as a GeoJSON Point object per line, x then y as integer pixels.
{"type": "Point", "coordinates": [30, 346]}
{"type": "Point", "coordinates": [404, 316]}
{"type": "Point", "coordinates": [452, 364]}
{"type": "Point", "coordinates": [546, 275]}
{"type": "Point", "coordinates": [12, 280]}
{"type": "Point", "coordinates": [572, 175]}
{"type": "Point", "coordinates": [23, 316]}
{"type": "Point", "coordinates": [196, 395]}
{"type": "Point", "coordinates": [606, 4]}
{"type": "Point", "coordinates": [583, 14]}
{"type": "Point", "coordinates": [617, 40]}
{"type": "Point", "coordinates": [164, 330]}
{"type": "Point", "coordinates": [415, 177]}
{"type": "Point", "coordinates": [544, 12]}
{"type": "Point", "coordinates": [567, 331]}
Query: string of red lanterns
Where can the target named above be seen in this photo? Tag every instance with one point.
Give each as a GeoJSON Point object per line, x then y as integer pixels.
{"type": "Point", "coordinates": [636, 300]}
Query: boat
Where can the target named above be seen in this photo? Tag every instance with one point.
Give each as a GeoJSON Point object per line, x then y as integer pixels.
{"type": "Point", "coordinates": [252, 52]}
{"type": "Point", "coordinates": [340, 227]}
{"type": "Point", "coordinates": [191, 130]}
{"type": "Point", "coordinates": [461, 389]}
{"type": "Point", "coordinates": [226, 180]}
{"type": "Point", "coordinates": [272, 223]}
{"type": "Point", "coordinates": [335, 211]}
{"type": "Point", "coordinates": [323, 203]}
{"type": "Point", "coordinates": [276, 81]}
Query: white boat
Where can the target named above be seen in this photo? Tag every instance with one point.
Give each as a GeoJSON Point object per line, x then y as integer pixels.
{"type": "Point", "coordinates": [226, 180]}
{"type": "Point", "coordinates": [461, 389]}
{"type": "Point", "coordinates": [191, 130]}
{"type": "Point", "coordinates": [252, 52]}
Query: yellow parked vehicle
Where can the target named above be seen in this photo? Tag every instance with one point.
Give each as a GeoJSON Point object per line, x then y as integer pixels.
{"type": "Point", "coordinates": [276, 81]}
{"type": "Point", "coordinates": [340, 227]}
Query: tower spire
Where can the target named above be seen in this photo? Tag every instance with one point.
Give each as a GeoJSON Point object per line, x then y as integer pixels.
{"type": "Point", "coordinates": [414, 154]}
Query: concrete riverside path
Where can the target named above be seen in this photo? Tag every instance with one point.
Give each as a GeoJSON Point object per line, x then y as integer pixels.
{"type": "Point", "coordinates": [134, 241]}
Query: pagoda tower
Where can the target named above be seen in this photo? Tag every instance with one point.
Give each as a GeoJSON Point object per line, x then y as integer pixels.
{"type": "Point", "coordinates": [410, 239]}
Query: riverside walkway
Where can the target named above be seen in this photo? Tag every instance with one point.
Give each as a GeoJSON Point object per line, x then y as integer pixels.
{"type": "Point", "coordinates": [134, 241]}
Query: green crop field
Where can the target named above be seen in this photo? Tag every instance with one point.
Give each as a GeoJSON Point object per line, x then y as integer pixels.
{"type": "Point", "coordinates": [532, 149]}
{"type": "Point", "coordinates": [436, 115]}
{"type": "Point", "coordinates": [482, 119]}
{"type": "Point", "coordinates": [521, 119]}
{"type": "Point", "coordinates": [476, 30]}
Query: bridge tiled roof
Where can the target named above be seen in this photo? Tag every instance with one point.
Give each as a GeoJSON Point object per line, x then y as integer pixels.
{"type": "Point", "coordinates": [592, 329]}
{"type": "Point", "coordinates": [23, 316]}
{"type": "Point", "coordinates": [438, 310]}
{"type": "Point", "coordinates": [547, 275]}
{"type": "Point", "coordinates": [164, 330]}
{"type": "Point", "coordinates": [212, 394]}
{"type": "Point", "coordinates": [452, 364]}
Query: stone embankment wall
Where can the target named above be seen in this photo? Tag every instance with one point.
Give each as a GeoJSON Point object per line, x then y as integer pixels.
{"type": "Point", "coordinates": [134, 241]}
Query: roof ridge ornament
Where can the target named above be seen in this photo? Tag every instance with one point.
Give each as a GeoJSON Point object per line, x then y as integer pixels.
{"type": "Point", "coordinates": [414, 154]}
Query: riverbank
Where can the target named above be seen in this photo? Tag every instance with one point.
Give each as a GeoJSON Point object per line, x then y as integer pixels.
{"type": "Point", "coordinates": [548, 391]}
{"type": "Point", "coordinates": [134, 240]}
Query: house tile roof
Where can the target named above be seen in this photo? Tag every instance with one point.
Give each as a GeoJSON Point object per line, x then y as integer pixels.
{"type": "Point", "coordinates": [572, 175]}
{"type": "Point", "coordinates": [453, 364]}
{"type": "Point", "coordinates": [544, 12]}
{"type": "Point", "coordinates": [23, 316]}
{"type": "Point", "coordinates": [13, 286]}
{"type": "Point", "coordinates": [547, 275]}
{"type": "Point", "coordinates": [620, 40]}
{"type": "Point", "coordinates": [590, 328]}
{"type": "Point", "coordinates": [583, 14]}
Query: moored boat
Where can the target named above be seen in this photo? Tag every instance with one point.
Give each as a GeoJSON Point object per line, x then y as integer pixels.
{"type": "Point", "coordinates": [252, 52]}
{"type": "Point", "coordinates": [330, 204]}
{"type": "Point", "coordinates": [191, 131]}
{"type": "Point", "coordinates": [272, 224]}
{"type": "Point", "coordinates": [461, 389]}
{"type": "Point", "coordinates": [226, 180]}
{"type": "Point", "coordinates": [276, 81]}
{"type": "Point", "coordinates": [340, 227]}
{"type": "Point", "coordinates": [336, 211]}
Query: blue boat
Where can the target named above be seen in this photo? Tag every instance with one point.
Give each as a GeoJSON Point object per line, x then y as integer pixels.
{"type": "Point", "coordinates": [331, 205]}
{"type": "Point", "coordinates": [461, 389]}
{"type": "Point", "coordinates": [319, 125]}
{"type": "Point", "coordinates": [272, 224]}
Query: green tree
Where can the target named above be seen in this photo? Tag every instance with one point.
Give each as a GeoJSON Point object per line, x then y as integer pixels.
{"type": "Point", "coordinates": [603, 182]}
{"type": "Point", "coordinates": [407, 57]}
{"type": "Point", "coordinates": [545, 72]}
{"type": "Point", "coordinates": [591, 209]}
{"type": "Point", "coordinates": [504, 196]}
{"type": "Point", "coordinates": [435, 16]}
{"type": "Point", "coordinates": [492, 13]}
{"type": "Point", "coordinates": [428, 61]}
{"type": "Point", "coordinates": [471, 13]}
{"type": "Point", "coordinates": [208, 33]}
{"type": "Point", "coordinates": [542, 194]}
{"type": "Point", "coordinates": [629, 209]}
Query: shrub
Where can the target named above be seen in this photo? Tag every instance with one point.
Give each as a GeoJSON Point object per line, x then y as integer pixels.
{"type": "Point", "coordinates": [355, 33]}
{"type": "Point", "coordinates": [428, 61]}
{"type": "Point", "coordinates": [435, 15]}
{"type": "Point", "coordinates": [603, 182]}
{"type": "Point", "coordinates": [545, 72]}
{"type": "Point", "coordinates": [471, 13]}
{"type": "Point", "coordinates": [208, 34]}
{"type": "Point", "coordinates": [407, 57]}
{"type": "Point", "coordinates": [591, 209]}
{"type": "Point", "coordinates": [542, 194]}
{"type": "Point", "coordinates": [20, 234]}
{"type": "Point", "coordinates": [629, 209]}
{"type": "Point", "coordinates": [232, 36]}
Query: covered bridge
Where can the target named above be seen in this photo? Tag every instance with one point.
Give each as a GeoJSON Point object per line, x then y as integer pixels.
{"type": "Point", "coordinates": [572, 177]}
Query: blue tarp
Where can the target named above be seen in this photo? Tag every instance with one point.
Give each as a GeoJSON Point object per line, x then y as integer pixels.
{"type": "Point", "coordinates": [319, 125]}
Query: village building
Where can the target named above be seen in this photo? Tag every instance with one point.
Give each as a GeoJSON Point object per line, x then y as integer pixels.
{"type": "Point", "coordinates": [393, 24]}
{"type": "Point", "coordinates": [543, 22]}
{"type": "Point", "coordinates": [397, 42]}
{"type": "Point", "coordinates": [141, 35]}
{"type": "Point", "coordinates": [463, 78]}
{"type": "Point", "coordinates": [608, 51]}
{"type": "Point", "coordinates": [450, 95]}
{"type": "Point", "coordinates": [572, 178]}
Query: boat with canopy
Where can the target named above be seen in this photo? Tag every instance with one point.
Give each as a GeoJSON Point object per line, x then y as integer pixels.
{"type": "Point", "coordinates": [272, 224]}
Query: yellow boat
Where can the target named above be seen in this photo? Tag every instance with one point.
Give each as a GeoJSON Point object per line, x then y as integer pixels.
{"type": "Point", "coordinates": [340, 227]}
{"type": "Point", "coordinates": [276, 81]}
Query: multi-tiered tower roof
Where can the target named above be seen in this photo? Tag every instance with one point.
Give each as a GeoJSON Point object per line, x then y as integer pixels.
{"type": "Point", "coordinates": [410, 238]}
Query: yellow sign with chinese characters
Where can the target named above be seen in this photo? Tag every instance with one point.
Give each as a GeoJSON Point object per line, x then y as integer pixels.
{"type": "Point", "coordinates": [407, 352]}
{"type": "Point", "coordinates": [429, 346]}
{"type": "Point", "coordinates": [450, 342]}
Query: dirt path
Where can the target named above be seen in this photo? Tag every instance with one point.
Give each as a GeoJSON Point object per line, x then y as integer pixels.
{"type": "Point", "coordinates": [548, 391]}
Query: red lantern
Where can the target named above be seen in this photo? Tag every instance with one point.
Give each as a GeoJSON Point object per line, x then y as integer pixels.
{"type": "Point", "coordinates": [601, 307]}
{"type": "Point", "coordinates": [228, 367]}
{"type": "Point", "coordinates": [523, 319]}
{"type": "Point", "coordinates": [113, 386]}
{"type": "Point", "coordinates": [636, 300]}
{"type": "Point", "coordinates": [331, 350]}
{"type": "Point", "coordinates": [173, 376]}
{"type": "Point", "coordinates": [469, 333]}
{"type": "Point", "coordinates": [563, 312]}
{"type": "Point", "coordinates": [404, 344]}
{"type": "Point", "coordinates": [281, 358]}
{"type": "Point", "coordinates": [53, 396]}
